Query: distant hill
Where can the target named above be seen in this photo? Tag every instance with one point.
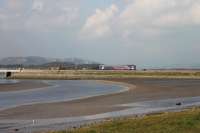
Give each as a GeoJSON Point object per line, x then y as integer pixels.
{"type": "Point", "coordinates": [36, 60]}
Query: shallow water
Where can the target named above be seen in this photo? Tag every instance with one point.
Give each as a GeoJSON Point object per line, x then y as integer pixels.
{"type": "Point", "coordinates": [6, 81]}
{"type": "Point", "coordinates": [68, 90]}
{"type": "Point", "coordinates": [60, 90]}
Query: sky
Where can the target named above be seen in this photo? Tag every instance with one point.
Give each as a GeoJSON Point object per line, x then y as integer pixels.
{"type": "Point", "coordinates": [148, 33]}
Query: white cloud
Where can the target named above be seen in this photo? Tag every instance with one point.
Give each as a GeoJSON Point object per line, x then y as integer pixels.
{"type": "Point", "coordinates": [38, 14]}
{"type": "Point", "coordinates": [144, 18]}
{"type": "Point", "coordinates": [37, 5]}
{"type": "Point", "coordinates": [13, 4]}
{"type": "Point", "coordinates": [99, 24]}
{"type": "Point", "coordinates": [149, 17]}
{"type": "Point", "coordinates": [195, 13]}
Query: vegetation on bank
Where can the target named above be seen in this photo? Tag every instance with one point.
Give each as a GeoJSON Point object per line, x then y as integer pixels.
{"type": "Point", "coordinates": [174, 122]}
{"type": "Point", "coordinates": [97, 74]}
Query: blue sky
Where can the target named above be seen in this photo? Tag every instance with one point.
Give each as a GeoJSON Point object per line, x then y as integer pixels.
{"type": "Point", "coordinates": [148, 33]}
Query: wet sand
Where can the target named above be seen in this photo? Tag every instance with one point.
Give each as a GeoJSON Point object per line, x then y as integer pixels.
{"type": "Point", "coordinates": [140, 90]}
{"type": "Point", "coordinates": [22, 85]}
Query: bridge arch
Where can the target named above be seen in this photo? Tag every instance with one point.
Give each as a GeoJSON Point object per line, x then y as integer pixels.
{"type": "Point", "coordinates": [8, 74]}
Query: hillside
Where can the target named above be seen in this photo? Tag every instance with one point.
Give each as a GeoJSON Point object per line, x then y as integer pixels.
{"type": "Point", "coordinates": [36, 60]}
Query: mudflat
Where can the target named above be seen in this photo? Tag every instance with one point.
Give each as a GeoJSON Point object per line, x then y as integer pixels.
{"type": "Point", "coordinates": [142, 89]}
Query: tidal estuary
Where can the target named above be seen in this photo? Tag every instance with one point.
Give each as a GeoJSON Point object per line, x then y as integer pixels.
{"type": "Point", "coordinates": [61, 104]}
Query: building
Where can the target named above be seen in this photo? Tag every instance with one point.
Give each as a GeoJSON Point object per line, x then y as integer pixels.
{"type": "Point", "coordinates": [101, 67]}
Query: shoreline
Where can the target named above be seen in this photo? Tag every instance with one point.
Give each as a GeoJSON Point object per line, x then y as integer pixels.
{"type": "Point", "coordinates": [128, 86]}
{"type": "Point", "coordinates": [186, 120]}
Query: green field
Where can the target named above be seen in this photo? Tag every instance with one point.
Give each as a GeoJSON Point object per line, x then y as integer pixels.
{"type": "Point", "coordinates": [97, 74]}
{"type": "Point", "coordinates": [175, 122]}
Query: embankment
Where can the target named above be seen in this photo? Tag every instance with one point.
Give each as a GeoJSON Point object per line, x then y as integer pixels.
{"type": "Point", "coordinates": [97, 74]}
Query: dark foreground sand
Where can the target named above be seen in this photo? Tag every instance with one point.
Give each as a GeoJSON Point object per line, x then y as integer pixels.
{"type": "Point", "coordinates": [22, 85]}
{"type": "Point", "coordinates": [146, 89]}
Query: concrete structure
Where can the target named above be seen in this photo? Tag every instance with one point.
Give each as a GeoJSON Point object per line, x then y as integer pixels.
{"type": "Point", "coordinates": [123, 67]}
{"type": "Point", "coordinates": [101, 67]}
{"type": "Point", "coordinates": [7, 70]}
{"type": "Point", "coordinates": [5, 73]}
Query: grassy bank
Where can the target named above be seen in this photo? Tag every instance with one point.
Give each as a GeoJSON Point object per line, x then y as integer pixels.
{"type": "Point", "coordinates": [175, 122]}
{"type": "Point", "coordinates": [96, 74]}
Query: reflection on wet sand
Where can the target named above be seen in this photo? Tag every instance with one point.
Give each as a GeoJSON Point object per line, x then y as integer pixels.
{"type": "Point", "coordinates": [150, 95]}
